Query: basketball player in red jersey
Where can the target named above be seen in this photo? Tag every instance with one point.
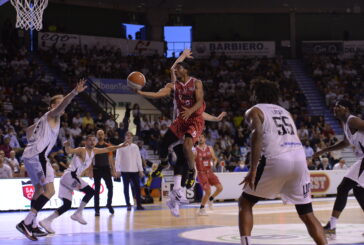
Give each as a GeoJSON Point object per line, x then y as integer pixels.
{"type": "Point", "coordinates": [205, 158]}
{"type": "Point", "coordinates": [189, 123]}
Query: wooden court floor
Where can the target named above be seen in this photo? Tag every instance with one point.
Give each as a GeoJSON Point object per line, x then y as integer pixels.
{"type": "Point", "coordinates": [274, 224]}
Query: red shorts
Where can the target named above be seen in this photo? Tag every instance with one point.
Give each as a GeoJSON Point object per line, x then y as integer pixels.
{"type": "Point", "coordinates": [207, 179]}
{"type": "Point", "coordinates": [194, 126]}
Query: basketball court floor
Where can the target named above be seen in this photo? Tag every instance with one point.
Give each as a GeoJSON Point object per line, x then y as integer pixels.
{"type": "Point", "coordinates": [274, 224]}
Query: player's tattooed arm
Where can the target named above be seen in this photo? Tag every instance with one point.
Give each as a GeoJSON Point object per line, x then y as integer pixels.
{"type": "Point", "coordinates": [58, 110]}
{"type": "Point", "coordinates": [166, 91]}
{"type": "Point", "coordinates": [255, 119]}
{"type": "Point", "coordinates": [187, 112]}
{"type": "Point", "coordinates": [110, 148]}
{"type": "Point", "coordinates": [208, 117]}
{"type": "Point", "coordinates": [338, 146]}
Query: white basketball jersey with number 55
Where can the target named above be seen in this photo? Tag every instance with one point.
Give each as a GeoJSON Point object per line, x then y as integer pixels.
{"type": "Point", "coordinates": [279, 131]}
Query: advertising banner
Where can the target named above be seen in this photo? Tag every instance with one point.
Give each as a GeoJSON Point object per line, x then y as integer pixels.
{"type": "Point", "coordinates": [18, 192]}
{"type": "Point", "coordinates": [322, 47]}
{"type": "Point", "coordinates": [234, 49]}
{"type": "Point", "coordinates": [112, 86]}
{"type": "Point", "coordinates": [352, 48]}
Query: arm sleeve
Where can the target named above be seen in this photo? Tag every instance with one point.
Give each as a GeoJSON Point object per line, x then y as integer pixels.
{"type": "Point", "coordinates": [117, 161]}
{"type": "Point", "coordinates": [138, 159]}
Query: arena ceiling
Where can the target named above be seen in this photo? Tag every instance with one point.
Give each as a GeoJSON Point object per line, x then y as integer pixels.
{"type": "Point", "coordinates": [227, 6]}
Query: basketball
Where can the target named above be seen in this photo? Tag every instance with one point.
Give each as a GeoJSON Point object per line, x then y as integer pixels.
{"type": "Point", "coordinates": [136, 80]}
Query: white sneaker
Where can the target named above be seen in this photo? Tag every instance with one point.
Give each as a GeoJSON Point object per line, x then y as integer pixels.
{"type": "Point", "coordinates": [47, 225]}
{"type": "Point", "coordinates": [78, 217]}
{"type": "Point", "coordinates": [211, 204]}
{"type": "Point", "coordinates": [181, 195]}
{"type": "Point", "coordinates": [201, 212]}
{"type": "Point", "coordinates": [173, 207]}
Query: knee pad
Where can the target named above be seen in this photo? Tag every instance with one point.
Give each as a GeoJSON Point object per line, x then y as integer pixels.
{"type": "Point", "coordinates": [304, 208]}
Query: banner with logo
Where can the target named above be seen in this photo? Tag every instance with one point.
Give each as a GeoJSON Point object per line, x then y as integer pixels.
{"type": "Point", "coordinates": [322, 183]}
{"type": "Point", "coordinates": [48, 40]}
{"type": "Point", "coordinates": [322, 47]}
{"type": "Point", "coordinates": [16, 195]}
{"type": "Point", "coordinates": [112, 86]}
{"type": "Point", "coordinates": [352, 48]}
{"type": "Point", "coordinates": [234, 49]}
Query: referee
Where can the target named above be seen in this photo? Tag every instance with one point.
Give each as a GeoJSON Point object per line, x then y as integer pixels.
{"type": "Point", "coordinates": [102, 169]}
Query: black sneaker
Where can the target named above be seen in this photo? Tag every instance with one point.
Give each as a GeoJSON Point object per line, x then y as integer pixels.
{"type": "Point", "coordinates": [128, 208]}
{"type": "Point", "coordinates": [140, 208]}
{"type": "Point", "coordinates": [191, 179]}
{"type": "Point", "coordinates": [37, 232]}
{"type": "Point", "coordinates": [97, 214]}
{"type": "Point", "coordinates": [329, 231]}
{"type": "Point", "coordinates": [111, 210]}
{"type": "Point", "coordinates": [26, 230]}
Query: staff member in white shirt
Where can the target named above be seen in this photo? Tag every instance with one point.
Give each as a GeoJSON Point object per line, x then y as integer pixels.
{"type": "Point", "coordinates": [128, 164]}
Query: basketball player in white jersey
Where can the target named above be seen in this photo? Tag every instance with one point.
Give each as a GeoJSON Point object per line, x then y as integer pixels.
{"type": "Point", "coordinates": [354, 178]}
{"type": "Point", "coordinates": [282, 168]}
{"type": "Point", "coordinates": [71, 180]}
{"type": "Point", "coordinates": [41, 138]}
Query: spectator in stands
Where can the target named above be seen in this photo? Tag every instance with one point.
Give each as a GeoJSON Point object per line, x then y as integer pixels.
{"type": "Point", "coordinates": [99, 121]}
{"type": "Point", "coordinates": [341, 165]}
{"type": "Point", "coordinates": [308, 149]}
{"type": "Point", "coordinates": [5, 170]}
{"type": "Point", "coordinates": [324, 165]}
{"type": "Point", "coordinates": [87, 120]}
{"type": "Point", "coordinates": [136, 121]}
{"type": "Point", "coordinates": [13, 162]}
{"type": "Point", "coordinates": [110, 123]}
{"type": "Point", "coordinates": [241, 167]}
{"type": "Point", "coordinates": [6, 147]}
{"type": "Point", "coordinates": [310, 164]}
{"type": "Point", "coordinates": [77, 120]}
{"type": "Point", "coordinates": [155, 137]}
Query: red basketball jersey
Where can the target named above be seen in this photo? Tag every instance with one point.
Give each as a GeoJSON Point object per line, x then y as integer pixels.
{"type": "Point", "coordinates": [203, 159]}
{"type": "Point", "coordinates": [184, 96]}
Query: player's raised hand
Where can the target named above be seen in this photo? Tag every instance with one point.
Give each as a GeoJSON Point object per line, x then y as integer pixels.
{"type": "Point", "coordinates": [222, 115]}
{"type": "Point", "coordinates": [81, 85]}
{"type": "Point", "coordinates": [187, 53]}
{"type": "Point", "coordinates": [186, 113]}
{"type": "Point", "coordinates": [249, 179]}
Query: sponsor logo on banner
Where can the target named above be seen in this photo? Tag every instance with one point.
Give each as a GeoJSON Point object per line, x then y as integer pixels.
{"type": "Point", "coordinates": [234, 49]}
{"type": "Point", "coordinates": [320, 182]}
{"type": "Point", "coordinates": [322, 47]}
{"type": "Point", "coordinates": [112, 86]}
{"type": "Point", "coordinates": [352, 48]}
{"type": "Point", "coordinates": [139, 47]}
{"type": "Point", "coordinates": [28, 189]}
{"type": "Point", "coordinates": [47, 40]}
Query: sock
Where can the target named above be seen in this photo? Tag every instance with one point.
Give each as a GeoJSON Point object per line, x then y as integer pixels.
{"type": "Point", "coordinates": [211, 198]}
{"type": "Point", "coordinates": [35, 223]}
{"type": "Point", "coordinates": [202, 206]}
{"type": "Point", "coordinates": [177, 182]}
{"type": "Point", "coordinates": [333, 222]}
{"type": "Point", "coordinates": [52, 216]}
{"type": "Point", "coordinates": [81, 207]}
{"type": "Point", "coordinates": [40, 202]}
{"type": "Point", "coordinates": [30, 217]}
{"type": "Point", "coordinates": [32, 202]}
{"type": "Point", "coordinates": [245, 240]}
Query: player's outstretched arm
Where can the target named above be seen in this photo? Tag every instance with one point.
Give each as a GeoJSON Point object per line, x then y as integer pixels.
{"type": "Point", "coordinates": [255, 118]}
{"type": "Point", "coordinates": [166, 91]}
{"type": "Point", "coordinates": [70, 150]}
{"type": "Point", "coordinates": [185, 54]}
{"type": "Point", "coordinates": [57, 111]}
{"type": "Point", "coordinates": [338, 146]}
{"type": "Point", "coordinates": [208, 117]}
{"type": "Point", "coordinates": [187, 112]}
{"type": "Point", "coordinates": [110, 148]}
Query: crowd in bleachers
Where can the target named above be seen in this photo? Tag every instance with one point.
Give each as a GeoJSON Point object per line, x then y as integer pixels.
{"type": "Point", "coordinates": [25, 92]}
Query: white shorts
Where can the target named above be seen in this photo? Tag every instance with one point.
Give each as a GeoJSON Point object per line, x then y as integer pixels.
{"type": "Point", "coordinates": [39, 171]}
{"type": "Point", "coordinates": [287, 175]}
{"type": "Point", "coordinates": [68, 184]}
{"type": "Point", "coordinates": [354, 171]}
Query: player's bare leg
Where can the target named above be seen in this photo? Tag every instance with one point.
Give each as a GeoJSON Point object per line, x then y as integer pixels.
{"type": "Point", "coordinates": [202, 211]}
{"type": "Point", "coordinates": [314, 228]}
{"type": "Point", "coordinates": [218, 190]}
{"type": "Point", "coordinates": [245, 220]}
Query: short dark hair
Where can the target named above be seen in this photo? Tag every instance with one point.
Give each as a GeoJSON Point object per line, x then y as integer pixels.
{"type": "Point", "coordinates": [90, 136]}
{"type": "Point", "coordinates": [265, 91]}
{"type": "Point", "coordinates": [184, 65]}
{"type": "Point", "coordinates": [345, 103]}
